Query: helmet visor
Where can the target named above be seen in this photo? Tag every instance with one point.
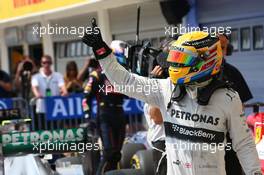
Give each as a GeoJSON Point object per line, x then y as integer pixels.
{"type": "Point", "coordinates": [181, 59]}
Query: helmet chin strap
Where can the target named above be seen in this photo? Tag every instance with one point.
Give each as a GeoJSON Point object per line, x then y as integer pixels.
{"type": "Point", "coordinates": [192, 89]}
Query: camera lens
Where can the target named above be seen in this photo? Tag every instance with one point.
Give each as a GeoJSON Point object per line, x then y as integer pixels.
{"type": "Point", "coordinates": [27, 66]}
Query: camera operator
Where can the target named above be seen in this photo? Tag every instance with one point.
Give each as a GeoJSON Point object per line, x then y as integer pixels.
{"type": "Point", "coordinates": [25, 70]}
{"type": "Point", "coordinates": [156, 132]}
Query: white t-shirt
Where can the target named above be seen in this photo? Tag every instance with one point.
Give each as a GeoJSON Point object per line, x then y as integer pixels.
{"type": "Point", "coordinates": [53, 82]}
{"type": "Point", "coordinates": [155, 132]}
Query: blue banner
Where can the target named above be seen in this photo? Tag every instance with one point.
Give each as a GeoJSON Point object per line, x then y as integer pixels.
{"type": "Point", "coordinates": [58, 107]}
{"type": "Point", "coordinates": [70, 107]}
{"type": "Point", "coordinates": [6, 103]}
{"type": "Point", "coordinates": [132, 106]}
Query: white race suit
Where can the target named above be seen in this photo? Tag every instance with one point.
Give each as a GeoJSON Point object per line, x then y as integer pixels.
{"type": "Point", "coordinates": [195, 134]}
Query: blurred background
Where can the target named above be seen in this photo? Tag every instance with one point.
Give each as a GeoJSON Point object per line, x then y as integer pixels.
{"type": "Point", "coordinates": [21, 22]}
{"type": "Point", "coordinates": [117, 20]}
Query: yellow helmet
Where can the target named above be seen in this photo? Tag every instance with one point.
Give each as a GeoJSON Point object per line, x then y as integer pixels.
{"type": "Point", "coordinates": [194, 57]}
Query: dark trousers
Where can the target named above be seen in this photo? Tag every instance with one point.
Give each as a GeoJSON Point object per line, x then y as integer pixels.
{"type": "Point", "coordinates": [112, 132]}
{"type": "Point", "coordinates": [160, 165]}
{"type": "Point", "coordinates": [41, 123]}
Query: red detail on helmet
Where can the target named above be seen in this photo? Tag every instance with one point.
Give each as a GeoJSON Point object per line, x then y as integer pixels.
{"type": "Point", "coordinates": [207, 65]}
{"type": "Point", "coordinates": [212, 50]}
{"type": "Point", "coordinates": [211, 56]}
{"type": "Point", "coordinates": [212, 53]}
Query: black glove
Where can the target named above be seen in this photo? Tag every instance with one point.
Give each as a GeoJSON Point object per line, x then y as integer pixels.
{"type": "Point", "coordinates": [94, 40]}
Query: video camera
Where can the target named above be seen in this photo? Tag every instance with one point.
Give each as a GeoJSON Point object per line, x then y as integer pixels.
{"type": "Point", "coordinates": [142, 58]}
{"type": "Point", "coordinates": [27, 66]}
{"type": "Point", "coordinates": [26, 71]}
{"type": "Point", "coordinates": [25, 75]}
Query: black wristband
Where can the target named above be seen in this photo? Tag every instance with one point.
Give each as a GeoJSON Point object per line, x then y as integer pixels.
{"type": "Point", "coordinates": [101, 51]}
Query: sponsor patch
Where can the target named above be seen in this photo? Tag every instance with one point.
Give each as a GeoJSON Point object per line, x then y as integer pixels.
{"type": "Point", "coordinates": [186, 133]}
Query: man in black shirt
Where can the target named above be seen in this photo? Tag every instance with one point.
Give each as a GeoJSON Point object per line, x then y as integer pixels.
{"type": "Point", "coordinates": [110, 118]}
{"type": "Point", "coordinates": [232, 74]}
{"type": "Point", "coordinates": [238, 83]}
{"type": "Point", "coordinates": [5, 85]}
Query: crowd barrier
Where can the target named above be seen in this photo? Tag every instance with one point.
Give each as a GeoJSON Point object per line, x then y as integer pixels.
{"type": "Point", "coordinates": [64, 112]}
{"type": "Point", "coordinates": [17, 114]}
{"type": "Point", "coordinates": [63, 115]}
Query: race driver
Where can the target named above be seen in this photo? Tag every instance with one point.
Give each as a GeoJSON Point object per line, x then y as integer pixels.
{"type": "Point", "coordinates": [198, 109]}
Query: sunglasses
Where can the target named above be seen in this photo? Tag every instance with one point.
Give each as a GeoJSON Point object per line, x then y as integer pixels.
{"type": "Point", "coordinates": [46, 62]}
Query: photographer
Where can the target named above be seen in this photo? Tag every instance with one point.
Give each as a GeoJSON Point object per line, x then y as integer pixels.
{"type": "Point", "coordinates": [156, 133]}
{"type": "Point", "coordinates": [25, 69]}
